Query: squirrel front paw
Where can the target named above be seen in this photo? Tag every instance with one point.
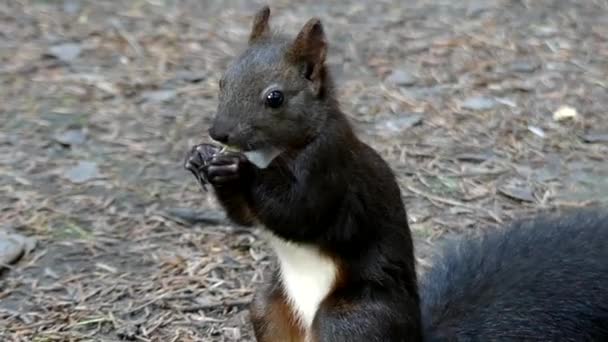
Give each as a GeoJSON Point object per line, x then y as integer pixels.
{"type": "Point", "coordinates": [211, 166]}
{"type": "Point", "coordinates": [197, 161]}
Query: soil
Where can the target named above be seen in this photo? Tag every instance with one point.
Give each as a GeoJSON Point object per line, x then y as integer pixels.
{"type": "Point", "coordinates": [488, 111]}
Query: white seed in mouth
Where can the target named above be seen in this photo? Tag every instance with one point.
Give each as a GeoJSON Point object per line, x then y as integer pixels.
{"type": "Point", "coordinates": [262, 157]}
{"type": "Point", "coordinates": [227, 148]}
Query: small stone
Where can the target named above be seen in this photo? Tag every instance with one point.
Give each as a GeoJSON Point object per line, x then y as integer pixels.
{"type": "Point", "coordinates": [478, 7]}
{"type": "Point", "coordinates": [523, 66]}
{"type": "Point", "coordinates": [394, 126]}
{"type": "Point", "coordinates": [71, 137]}
{"type": "Point", "coordinates": [190, 76]}
{"type": "Point", "coordinates": [49, 272]}
{"type": "Point", "coordinates": [546, 174]}
{"type": "Point", "coordinates": [10, 250]}
{"type": "Point", "coordinates": [128, 332]}
{"type": "Point", "coordinates": [595, 138]}
{"type": "Point", "coordinates": [518, 190]}
{"type": "Point", "coordinates": [65, 52]}
{"type": "Point", "coordinates": [158, 95]}
{"type": "Point", "coordinates": [13, 246]}
{"type": "Point", "coordinates": [83, 172]}
{"type": "Point", "coordinates": [479, 103]}
{"type": "Point", "coordinates": [544, 31]}
{"type": "Point", "coordinates": [565, 113]}
{"type": "Point", "coordinates": [233, 333]}
{"type": "Point", "coordinates": [401, 77]}
{"type": "Point", "coordinates": [194, 216]}
{"type": "Point", "coordinates": [474, 157]}
{"type": "Point", "coordinates": [71, 6]}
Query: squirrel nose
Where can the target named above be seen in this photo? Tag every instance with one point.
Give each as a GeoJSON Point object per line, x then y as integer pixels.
{"type": "Point", "coordinates": [218, 136]}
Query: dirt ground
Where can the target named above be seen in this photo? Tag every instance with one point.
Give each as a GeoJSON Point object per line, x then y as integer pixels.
{"type": "Point", "coordinates": [487, 110]}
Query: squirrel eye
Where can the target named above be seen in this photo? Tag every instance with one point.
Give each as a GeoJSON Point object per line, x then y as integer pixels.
{"type": "Point", "coordinates": [274, 99]}
{"type": "Point", "coordinates": [221, 83]}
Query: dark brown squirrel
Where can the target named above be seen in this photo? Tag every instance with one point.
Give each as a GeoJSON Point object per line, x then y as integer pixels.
{"type": "Point", "coordinates": [334, 215]}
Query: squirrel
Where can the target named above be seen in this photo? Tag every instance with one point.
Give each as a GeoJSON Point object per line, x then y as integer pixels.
{"type": "Point", "coordinates": [333, 213]}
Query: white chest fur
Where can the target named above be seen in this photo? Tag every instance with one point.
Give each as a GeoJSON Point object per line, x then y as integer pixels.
{"type": "Point", "coordinates": [307, 275]}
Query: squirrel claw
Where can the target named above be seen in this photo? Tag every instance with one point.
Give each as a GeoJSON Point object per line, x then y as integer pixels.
{"type": "Point", "coordinates": [199, 176]}
{"type": "Point", "coordinates": [197, 161]}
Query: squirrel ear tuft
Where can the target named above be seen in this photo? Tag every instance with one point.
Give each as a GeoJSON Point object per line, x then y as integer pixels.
{"type": "Point", "coordinates": [310, 47]}
{"type": "Point", "coordinates": [260, 27]}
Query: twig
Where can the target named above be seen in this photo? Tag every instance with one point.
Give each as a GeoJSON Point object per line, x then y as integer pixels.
{"type": "Point", "coordinates": [127, 37]}
{"type": "Point", "coordinates": [453, 202]}
{"type": "Point", "coordinates": [240, 303]}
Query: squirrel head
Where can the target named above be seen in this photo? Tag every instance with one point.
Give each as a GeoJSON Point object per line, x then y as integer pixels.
{"type": "Point", "coordinates": [277, 93]}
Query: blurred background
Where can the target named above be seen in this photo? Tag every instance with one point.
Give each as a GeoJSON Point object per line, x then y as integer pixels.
{"type": "Point", "coordinates": [488, 111]}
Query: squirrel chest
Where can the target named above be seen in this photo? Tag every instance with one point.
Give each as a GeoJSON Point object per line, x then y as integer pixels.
{"type": "Point", "coordinates": [307, 277]}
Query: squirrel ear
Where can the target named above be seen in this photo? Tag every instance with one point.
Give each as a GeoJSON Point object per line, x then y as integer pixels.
{"type": "Point", "coordinates": [310, 47]}
{"type": "Point", "coordinates": [260, 27]}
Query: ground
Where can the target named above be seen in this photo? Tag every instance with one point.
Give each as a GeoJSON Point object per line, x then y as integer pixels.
{"type": "Point", "coordinates": [488, 111]}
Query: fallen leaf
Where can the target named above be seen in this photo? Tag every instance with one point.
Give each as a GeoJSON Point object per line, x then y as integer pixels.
{"type": "Point", "coordinates": [106, 267]}
{"type": "Point", "coordinates": [565, 113]}
{"type": "Point", "coordinates": [537, 131]}
{"type": "Point", "coordinates": [506, 102]}
{"type": "Point", "coordinates": [106, 86]}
